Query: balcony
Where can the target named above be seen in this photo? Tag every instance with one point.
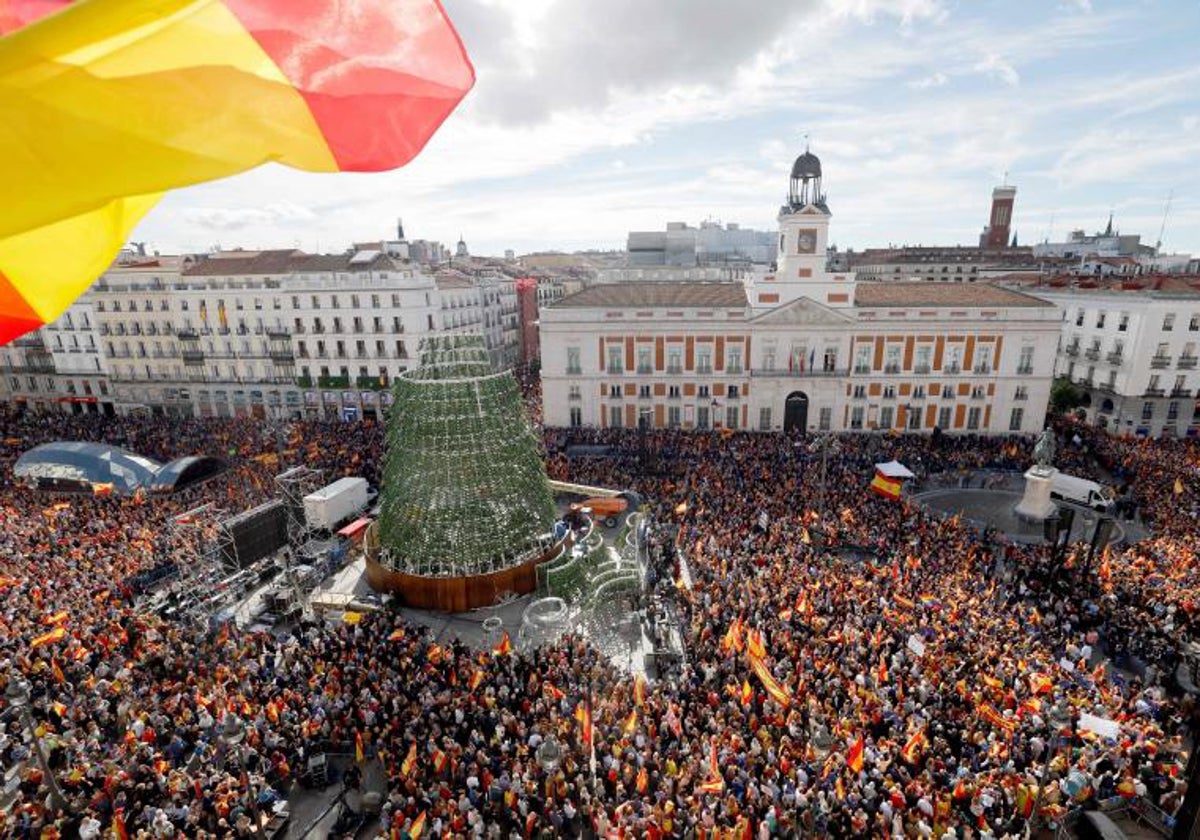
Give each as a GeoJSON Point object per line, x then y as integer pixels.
{"type": "Point", "coordinates": [918, 395]}
{"type": "Point", "coordinates": [1092, 353]}
{"type": "Point", "coordinates": [1181, 392]}
{"type": "Point", "coordinates": [1185, 362]}
{"type": "Point", "coordinates": [674, 370]}
{"type": "Point", "coordinates": [31, 340]}
{"type": "Point", "coordinates": [1115, 358]}
{"type": "Point", "coordinates": [734, 370]}
{"type": "Point", "coordinates": [615, 370]}
{"type": "Point", "coordinates": [192, 357]}
{"type": "Point", "coordinates": [1160, 362]}
{"type": "Point", "coordinates": [1071, 349]}
{"type": "Point", "coordinates": [983, 368]}
{"type": "Point", "coordinates": [951, 369]}
{"type": "Point", "coordinates": [282, 357]}
{"type": "Point", "coordinates": [704, 370]}
{"type": "Point", "coordinates": [304, 382]}
{"type": "Point", "coordinates": [799, 374]}
{"type": "Point", "coordinates": [921, 370]}
{"type": "Point", "coordinates": [1109, 388]}
{"type": "Point", "coordinates": [278, 334]}
{"type": "Point", "coordinates": [370, 383]}
{"type": "Point", "coordinates": [644, 370]}
{"type": "Point", "coordinates": [862, 370]}
{"type": "Point", "coordinates": [978, 395]}
{"type": "Point", "coordinates": [1154, 392]}
{"type": "Point", "coordinates": [859, 395]}
{"type": "Point", "coordinates": [188, 335]}
{"type": "Point", "coordinates": [891, 369]}
{"type": "Point", "coordinates": [1024, 370]}
{"type": "Point", "coordinates": [333, 382]}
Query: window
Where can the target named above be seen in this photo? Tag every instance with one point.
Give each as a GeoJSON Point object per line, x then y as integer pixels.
{"type": "Point", "coordinates": [924, 354]}
{"type": "Point", "coordinates": [1079, 318]}
{"type": "Point", "coordinates": [614, 416]}
{"type": "Point", "coordinates": [674, 361]}
{"type": "Point", "coordinates": [1168, 322]}
{"type": "Point", "coordinates": [674, 415]}
{"type": "Point", "coordinates": [830, 360]}
{"type": "Point", "coordinates": [616, 360]}
{"type": "Point", "coordinates": [732, 392]}
{"type": "Point", "coordinates": [702, 391]}
{"type": "Point", "coordinates": [1180, 380]}
{"type": "Point", "coordinates": [643, 360]}
{"type": "Point", "coordinates": [576, 416]}
{"type": "Point", "coordinates": [953, 362]}
{"type": "Point", "coordinates": [947, 392]}
{"type": "Point", "coordinates": [764, 419]}
{"type": "Point", "coordinates": [1022, 393]}
{"type": "Point", "coordinates": [769, 360]}
{"type": "Point", "coordinates": [973, 417]}
{"type": "Point", "coordinates": [734, 360]}
{"type": "Point", "coordinates": [1016, 419]}
{"type": "Point", "coordinates": [644, 392]}
{"type": "Point", "coordinates": [885, 417]}
{"type": "Point", "coordinates": [1123, 322]}
{"type": "Point", "coordinates": [1100, 320]}
{"type": "Point", "coordinates": [918, 392]}
{"type": "Point", "coordinates": [826, 421]}
{"type": "Point", "coordinates": [984, 363]}
{"type": "Point", "coordinates": [731, 416]}
{"type": "Point", "coordinates": [1172, 410]}
{"type": "Point", "coordinates": [573, 392]}
{"type": "Point", "coordinates": [673, 392]}
{"type": "Point", "coordinates": [702, 421]}
{"type": "Point", "coordinates": [856, 417]}
{"type": "Point", "coordinates": [944, 417]}
{"type": "Point", "coordinates": [860, 392]}
{"type": "Point", "coordinates": [892, 362]}
{"type": "Point", "coordinates": [913, 418]}
{"type": "Point", "coordinates": [704, 360]}
{"type": "Point", "coordinates": [862, 359]}
{"type": "Point", "coordinates": [1194, 324]}
{"type": "Point", "coordinates": [614, 392]}
{"type": "Point", "coordinates": [889, 392]}
{"type": "Point", "coordinates": [573, 366]}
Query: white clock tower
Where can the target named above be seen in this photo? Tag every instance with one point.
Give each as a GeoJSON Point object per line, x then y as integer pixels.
{"type": "Point", "coordinates": [803, 238]}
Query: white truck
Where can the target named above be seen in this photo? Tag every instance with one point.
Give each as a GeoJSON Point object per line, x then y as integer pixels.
{"type": "Point", "coordinates": [335, 503]}
{"type": "Point", "coordinates": [1081, 491]}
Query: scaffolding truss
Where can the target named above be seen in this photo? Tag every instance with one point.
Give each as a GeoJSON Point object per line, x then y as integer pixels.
{"type": "Point", "coordinates": [292, 486]}
{"type": "Point", "coordinates": [464, 487]}
{"type": "Point", "coordinates": [208, 564]}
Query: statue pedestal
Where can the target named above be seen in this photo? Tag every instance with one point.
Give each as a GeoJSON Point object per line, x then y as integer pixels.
{"type": "Point", "coordinates": [1036, 506]}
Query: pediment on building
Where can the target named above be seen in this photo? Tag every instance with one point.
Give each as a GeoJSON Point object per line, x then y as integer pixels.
{"type": "Point", "coordinates": [802, 312]}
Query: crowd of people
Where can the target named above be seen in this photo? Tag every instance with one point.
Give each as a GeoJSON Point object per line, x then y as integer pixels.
{"type": "Point", "coordinates": [855, 666]}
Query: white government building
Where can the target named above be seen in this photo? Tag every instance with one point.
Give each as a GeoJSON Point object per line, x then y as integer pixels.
{"type": "Point", "coordinates": [799, 347]}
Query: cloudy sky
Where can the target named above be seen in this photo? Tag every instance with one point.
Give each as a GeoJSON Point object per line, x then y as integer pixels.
{"type": "Point", "coordinates": [594, 117]}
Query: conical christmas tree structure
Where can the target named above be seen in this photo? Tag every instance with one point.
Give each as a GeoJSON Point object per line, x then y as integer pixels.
{"type": "Point", "coordinates": [464, 490]}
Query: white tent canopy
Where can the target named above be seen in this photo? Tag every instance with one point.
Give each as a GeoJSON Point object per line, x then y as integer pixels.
{"type": "Point", "coordinates": [894, 469]}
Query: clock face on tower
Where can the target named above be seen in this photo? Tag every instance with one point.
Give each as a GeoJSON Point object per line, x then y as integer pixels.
{"type": "Point", "coordinates": [806, 241]}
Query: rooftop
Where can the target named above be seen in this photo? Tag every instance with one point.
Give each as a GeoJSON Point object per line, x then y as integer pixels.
{"type": "Point", "coordinates": [941, 294]}
{"type": "Point", "coordinates": [663, 293]}
{"type": "Point", "coordinates": [1174, 285]}
{"type": "Point", "coordinates": [284, 262]}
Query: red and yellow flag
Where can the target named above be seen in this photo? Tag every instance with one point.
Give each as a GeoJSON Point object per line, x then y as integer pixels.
{"type": "Point", "coordinates": [417, 828]}
{"type": "Point", "coordinates": [639, 690]}
{"type": "Point", "coordinates": [854, 757]}
{"type": "Point", "coordinates": [55, 635]}
{"type": "Point", "coordinates": [440, 760]}
{"type": "Point", "coordinates": [410, 761]}
{"type": "Point", "coordinates": [119, 828]}
{"type": "Point", "coordinates": [747, 693]}
{"type": "Point", "coordinates": [109, 103]}
{"type": "Point", "coordinates": [630, 725]}
{"type": "Point", "coordinates": [772, 686]}
{"type": "Point", "coordinates": [59, 617]}
{"type": "Point", "coordinates": [503, 647]}
{"type": "Point", "coordinates": [643, 780]}
{"type": "Point", "coordinates": [584, 715]}
{"type": "Point", "coordinates": [359, 754]}
{"type": "Point", "coordinates": [889, 488]}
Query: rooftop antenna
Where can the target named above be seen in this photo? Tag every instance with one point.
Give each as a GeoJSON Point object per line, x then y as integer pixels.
{"type": "Point", "coordinates": [1050, 227]}
{"type": "Point", "coordinates": [1005, 184]}
{"type": "Point", "coordinates": [1162, 228]}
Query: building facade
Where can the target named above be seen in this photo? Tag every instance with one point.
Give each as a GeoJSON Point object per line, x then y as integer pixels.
{"type": "Point", "coordinates": [1134, 353]}
{"type": "Point", "coordinates": [799, 348]}
{"type": "Point", "coordinates": [276, 334]}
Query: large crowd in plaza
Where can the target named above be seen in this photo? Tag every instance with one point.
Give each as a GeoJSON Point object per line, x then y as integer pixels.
{"type": "Point", "coordinates": [915, 687]}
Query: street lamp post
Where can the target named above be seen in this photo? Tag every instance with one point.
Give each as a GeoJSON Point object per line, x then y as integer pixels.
{"type": "Point", "coordinates": [17, 695]}
{"type": "Point", "coordinates": [1060, 719]}
{"type": "Point", "coordinates": [232, 734]}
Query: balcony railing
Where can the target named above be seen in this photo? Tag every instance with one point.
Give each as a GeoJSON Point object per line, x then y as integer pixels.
{"type": "Point", "coordinates": [615, 369]}
{"type": "Point", "coordinates": [918, 395]}
{"type": "Point", "coordinates": [798, 374]}
{"type": "Point", "coordinates": [1160, 362]}
{"type": "Point", "coordinates": [950, 369]}
{"type": "Point", "coordinates": [1154, 392]}
{"type": "Point", "coordinates": [983, 368]}
{"type": "Point", "coordinates": [370, 383]}
{"type": "Point", "coordinates": [643, 370]}
{"type": "Point", "coordinates": [192, 357]}
{"type": "Point", "coordinates": [704, 370]}
{"type": "Point", "coordinates": [859, 395]}
{"type": "Point", "coordinates": [1181, 392]}
{"type": "Point", "coordinates": [1115, 357]}
{"type": "Point", "coordinates": [1185, 362]}
{"type": "Point", "coordinates": [574, 370]}
{"type": "Point", "coordinates": [1092, 353]}
{"type": "Point", "coordinates": [1071, 349]}
{"type": "Point", "coordinates": [1024, 370]}
{"type": "Point", "coordinates": [891, 369]}
{"type": "Point", "coordinates": [921, 370]}
{"type": "Point", "coordinates": [861, 370]}
{"type": "Point", "coordinates": [334, 382]}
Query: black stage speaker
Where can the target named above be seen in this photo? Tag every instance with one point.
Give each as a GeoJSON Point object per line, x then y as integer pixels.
{"type": "Point", "coordinates": [256, 533]}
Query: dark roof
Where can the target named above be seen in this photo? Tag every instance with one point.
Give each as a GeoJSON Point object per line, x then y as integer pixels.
{"type": "Point", "coordinates": [80, 465]}
{"type": "Point", "coordinates": [282, 262]}
{"type": "Point", "coordinates": [807, 165]}
{"type": "Point", "coordinates": [899, 293]}
{"type": "Point", "coordinates": [663, 293]}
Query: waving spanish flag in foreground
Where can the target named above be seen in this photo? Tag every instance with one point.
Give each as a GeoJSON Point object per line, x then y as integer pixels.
{"type": "Point", "coordinates": [889, 488]}
{"type": "Point", "coordinates": [109, 103]}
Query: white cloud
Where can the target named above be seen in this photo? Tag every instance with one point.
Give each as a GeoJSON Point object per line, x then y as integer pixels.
{"type": "Point", "coordinates": [1000, 68]}
{"type": "Point", "coordinates": [926, 82]}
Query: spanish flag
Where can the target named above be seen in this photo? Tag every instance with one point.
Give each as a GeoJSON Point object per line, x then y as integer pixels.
{"type": "Point", "coordinates": [109, 103]}
{"type": "Point", "coordinates": [57, 670]}
{"type": "Point", "coordinates": [584, 715]}
{"type": "Point", "coordinates": [911, 752]}
{"type": "Point", "coordinates": [440, 760]}
{"type": "Point", "coordinates": [410, 761]}
{"type": "Point", "coordinates": [55, 635]}
{"type": "Point", "coordinates": [396, 635]}
{"type": "Point", "coordinates": [772, 686]}
{"type": "Point", "coordinates": [119, 828]}
{"type": "Point", "coordinates": [476, 678]}
{"type": "Point", "coordinates": [417, 828]}
{"type": "Point", "coordinates": [889, 488]}
{"type": "Point", "coordinates": [630, 723]}
{"type": "Point", "coordinates": [1178, 487]}
{"type": "Point", "coordinates": [503, 647]}
{"type": "Point", "coordinates": [854, 757]}
{"type": "Point", "coordinates": [747, 693]}
{"type": "Point", "coordinates": [639, 690]}
{"type": "Point", "coordinates": [104, 488]}
{"type": "Point", "coordinates": [643, 780]}
{"type": "Point", "coordinates": [755, 644]}
{"type": "Point", "coordinates": [359, 754]}
{"type": "Point", "coordinates": [59, 617]}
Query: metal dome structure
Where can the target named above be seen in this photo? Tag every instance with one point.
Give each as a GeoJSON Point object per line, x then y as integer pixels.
{"type": "Point", "coordinates": [807, 165]}
{"type": "Point", "coordinates": [805, 186]}
{"type": "Point", "coordinates": [466, 509]}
